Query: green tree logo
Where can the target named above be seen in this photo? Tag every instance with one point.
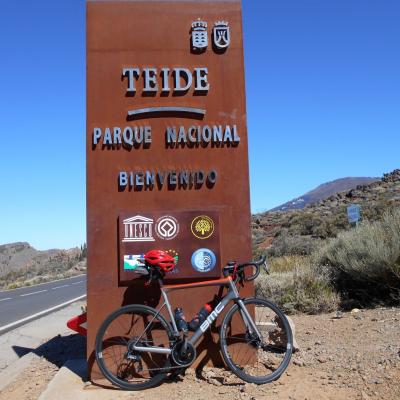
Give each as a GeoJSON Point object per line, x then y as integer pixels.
{"type": "Point", "coordinates": [202, 227]}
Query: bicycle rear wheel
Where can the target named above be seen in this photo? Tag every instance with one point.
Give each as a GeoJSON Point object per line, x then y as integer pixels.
{"type": "Point", "coordinates": [253, 359]}
{"type": "Point", "coordinates": [126, 368]}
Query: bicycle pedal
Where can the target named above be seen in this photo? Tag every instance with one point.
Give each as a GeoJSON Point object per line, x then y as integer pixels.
{"type": "Point", "coordinates": [133, 357]}
{"type": "Point", "coordinates": [179, 372]}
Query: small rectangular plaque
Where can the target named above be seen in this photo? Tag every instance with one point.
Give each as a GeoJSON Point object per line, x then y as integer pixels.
{"type": "Point", "coordinates": [353, 213]}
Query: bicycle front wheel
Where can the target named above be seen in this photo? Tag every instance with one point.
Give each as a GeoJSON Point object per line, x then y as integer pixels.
{"type": "Point", "coordinates": [252, 358]}
{"type": "Point", "coordinates": [133, 325]}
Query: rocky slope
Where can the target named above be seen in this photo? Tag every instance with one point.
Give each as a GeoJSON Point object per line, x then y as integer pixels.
{"type": "Point", "coordinates": [325, 218]}
{"type": "Point", "coordinates": [21, 264]}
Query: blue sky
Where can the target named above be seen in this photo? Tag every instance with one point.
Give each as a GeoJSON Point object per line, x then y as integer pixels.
{"type": "Point", "coordinates": [323, 102]}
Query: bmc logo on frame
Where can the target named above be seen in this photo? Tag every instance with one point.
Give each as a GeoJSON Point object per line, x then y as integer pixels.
{"type": "Point", "coordinates": [211, 318]}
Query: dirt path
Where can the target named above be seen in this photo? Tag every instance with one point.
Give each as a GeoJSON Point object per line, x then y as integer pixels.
{"type": "Point", "coordinates": [344, 356]}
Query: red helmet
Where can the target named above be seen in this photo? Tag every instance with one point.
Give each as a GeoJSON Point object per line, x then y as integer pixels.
{"type": "Point", "coordinates": [161, 259]}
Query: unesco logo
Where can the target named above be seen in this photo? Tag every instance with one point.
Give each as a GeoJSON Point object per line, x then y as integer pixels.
{"type": "Point", "coordinates": [203, 260]}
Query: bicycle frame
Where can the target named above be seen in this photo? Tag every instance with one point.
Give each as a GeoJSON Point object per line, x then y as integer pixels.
{"type": "Point", "coordinates": [232, 295]}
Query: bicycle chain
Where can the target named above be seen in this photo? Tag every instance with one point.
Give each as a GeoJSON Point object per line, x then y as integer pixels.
{"type": "Point", "coordinates": [169, 368]}
{"type": "Point", "coordinates": [172, 367]}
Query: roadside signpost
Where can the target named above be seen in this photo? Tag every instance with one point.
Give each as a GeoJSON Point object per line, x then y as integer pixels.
{"type": "Point", "coordinates": [353, 213]}
{"type": "Point", "coordinates": [167, 158]}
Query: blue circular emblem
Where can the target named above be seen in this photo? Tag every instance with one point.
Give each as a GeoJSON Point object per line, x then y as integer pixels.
{"type": "Point", "coordinates": [203, 260]}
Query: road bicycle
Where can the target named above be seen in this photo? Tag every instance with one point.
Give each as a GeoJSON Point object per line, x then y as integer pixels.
{"type": "Point", "coordinates": [137, 347]}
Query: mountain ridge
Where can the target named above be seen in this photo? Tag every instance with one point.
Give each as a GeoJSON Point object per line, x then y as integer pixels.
{"type": "Point", "coordinates": [323, 191]}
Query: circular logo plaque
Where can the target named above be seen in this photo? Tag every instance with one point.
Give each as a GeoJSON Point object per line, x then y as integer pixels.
{"type": "Point", "coordinates": [167, 227]}
{"type": "Point", "coordinates": [202, 227]}
{"type": "Point", "coordinates": [203, 260]}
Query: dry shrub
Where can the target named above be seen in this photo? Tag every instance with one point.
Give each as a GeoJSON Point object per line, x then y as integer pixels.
{"type": "Point", "coordinates": [285, 244]}
{"type": "Point", "coordinates": [35, 274]}
{"type": "Point", "coordinates": [285, 263]}
{"type": "Point", "coordinates": [365, 262]}
{"type": "Point", "coordinates": [362, 264]}
{"type": "Point", "coordinates": [369, 252]}
{"type": "Point", "coordinates": [297, 286]}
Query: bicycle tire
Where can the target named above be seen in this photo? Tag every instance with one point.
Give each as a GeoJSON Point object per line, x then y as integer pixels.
{"type": "Point", "coordinates": [122, 371]}
{"type": "Point", "coordinates": [235, 337]}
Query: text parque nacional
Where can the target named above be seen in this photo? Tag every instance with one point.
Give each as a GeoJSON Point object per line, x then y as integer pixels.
{"type": "Point", "coordinates": [142, 135]}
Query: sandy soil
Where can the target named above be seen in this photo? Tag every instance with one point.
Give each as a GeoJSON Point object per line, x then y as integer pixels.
{"type": "Point", "coordinates": [342, 356]}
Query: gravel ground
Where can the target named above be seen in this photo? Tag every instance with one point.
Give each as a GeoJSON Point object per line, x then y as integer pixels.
{"type": "Point", "coordinates": [342, 356]}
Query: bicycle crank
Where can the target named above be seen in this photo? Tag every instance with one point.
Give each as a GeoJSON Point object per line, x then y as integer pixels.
{"type": "Point", "coordinates": [183, 358]}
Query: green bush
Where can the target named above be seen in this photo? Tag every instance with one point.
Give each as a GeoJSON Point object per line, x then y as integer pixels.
{"type": "Point", "coordinates": [307, 223]}
{"type": "Point", "coordinates": [305, 288]}
{"type": "Point", "coordinates": [286, 245]}
{"type": "Point", "coordinates": [370, 252]}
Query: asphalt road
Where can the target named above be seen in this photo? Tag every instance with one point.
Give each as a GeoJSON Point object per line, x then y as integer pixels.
{"type": "Point", "coordinates": [21, 305]}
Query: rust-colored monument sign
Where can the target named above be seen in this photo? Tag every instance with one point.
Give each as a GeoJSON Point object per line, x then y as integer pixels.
{"type": "Point", "coordinates": [167, 162]}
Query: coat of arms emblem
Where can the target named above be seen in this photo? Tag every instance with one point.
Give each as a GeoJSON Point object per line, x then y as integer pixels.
{"type": "Point", "coordinates": [221, 35]}
{"type": "Point", "coordinates": [199, 35]}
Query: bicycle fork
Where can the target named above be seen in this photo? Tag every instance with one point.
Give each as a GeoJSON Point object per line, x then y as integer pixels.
{"type": "Point", "coordinates": [248, 321]}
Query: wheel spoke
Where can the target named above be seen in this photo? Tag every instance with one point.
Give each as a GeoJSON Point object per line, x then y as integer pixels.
{"type": "Point", "coordinates": [122, 330]}
{"type": "Point", "coordinates": [256, 359]}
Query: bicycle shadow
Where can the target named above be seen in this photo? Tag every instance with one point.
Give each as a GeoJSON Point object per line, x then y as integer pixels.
{"type": "Point", "coordinates": [140, 294]}
{"type": "Point", "coordinates": [58, 350]}
{"type": "Point", "coordinates": [209, 366]}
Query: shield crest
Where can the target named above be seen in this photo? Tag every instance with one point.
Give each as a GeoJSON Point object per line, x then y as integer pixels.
{"type": "Point", "coordinates": [199, 35]}
{"type": "Point", "coordinates": [199, 39]}
{"type": "Point", "coordinates": [221, 35]}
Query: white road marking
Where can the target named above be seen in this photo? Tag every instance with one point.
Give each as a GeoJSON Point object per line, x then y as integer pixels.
{"type": "Point", "coordinates": [75, 283]}
{"type": "Point", "coordinates": [33, 316]}
{"type": "Point", "coordinates": [7, 298]}
{"type": "Point", "coordinates": [28, 294]}
{"type": "Point", "coordinates": [44, 283]}
{"type": "Point", "coordinates": [59, 287]}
